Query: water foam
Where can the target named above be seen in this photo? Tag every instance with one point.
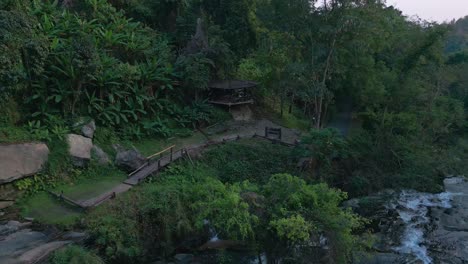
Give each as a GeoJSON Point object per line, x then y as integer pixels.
{"type": "Point", "coordinates": [413, 208]}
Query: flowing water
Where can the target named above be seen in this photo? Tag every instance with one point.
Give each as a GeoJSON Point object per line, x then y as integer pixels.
{"type": "Point", "coordinates": [413, 209]}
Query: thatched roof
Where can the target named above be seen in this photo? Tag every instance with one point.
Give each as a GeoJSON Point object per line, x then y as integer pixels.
{"type": "Point", "coordinates": [231, 84]}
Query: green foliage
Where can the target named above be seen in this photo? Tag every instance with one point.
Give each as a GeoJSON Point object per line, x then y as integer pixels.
{"type": "Point", "coordinates": [75, 255]}
{"type": "Point", "coordinates": [310, 207]}
{"type": "Point", "coordinates": [195, 70]}
{"type": "Point", "coordinates": [158, 216]}
{"type": "Point", "coordinates": [49, 210]}
{"type": "Point", "coordinates": [325, 145]}
{"type": "Point", "coordinates": [98, 63]}
{"type": "Point", "coordinates": [9, 112]}
{"type": "Point", "coordinates": [58, 168]}
{"type": "Point", "coordinates": [249, 160]}
{"type": "Point", "coordinates": [169, 210]}
{"type": "Point", "coordinates": [10, 134]}
{"type": "Point", "coordinates": [294, 229]}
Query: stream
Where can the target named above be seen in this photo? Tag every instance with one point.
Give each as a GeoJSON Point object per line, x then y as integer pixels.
{"type": "Point", "coordinates": [413, 209]}
{"type": "Point", "coordinates": [415, 227]}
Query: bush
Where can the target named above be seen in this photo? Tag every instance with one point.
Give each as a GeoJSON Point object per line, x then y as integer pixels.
{"type": "Point", "coordinates": [155, 218]}
{"type": "Point", "coordinates": [75, 255]}
{"type": "Point", "coordinates": [251, 160]}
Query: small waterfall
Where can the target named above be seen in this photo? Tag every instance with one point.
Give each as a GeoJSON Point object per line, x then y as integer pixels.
{"type": "Point", "coordinates": [413, 208]}
{"type": "Point", "coordinates": [214, 235]}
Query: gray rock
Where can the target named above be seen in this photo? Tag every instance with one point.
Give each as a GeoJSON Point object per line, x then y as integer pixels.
{"type": "Point", "coordinates": [100, 155]}
{"type": "Point", "coordinates": [129, 160]}
{"type": "Point", "coordinates": [380, 258]}
{"type": "Point", "coordinates": [353, 204]}
{"type": "Point", "coordinates": [79, 149]}
{"type": "Point", "coordinates": [241, 113]}
{"type": "Point", "coordinates": [74, 236]}
{"type": "Point", "coordinates": [89, 129]}
{"type": "Point", "coordinates": [5, 204]}
{"type": "Point", "coordinates": [21, 160]}
{"type": "Point", "coordinates": [20, 241]}
{"type": "Point", "coordinates": [41, 252]}
{"type": "Point", "coordinates": [448, 235]}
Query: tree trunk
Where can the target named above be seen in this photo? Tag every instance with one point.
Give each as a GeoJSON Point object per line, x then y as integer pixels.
{"type": "Point", "coordinates": [282, 104]}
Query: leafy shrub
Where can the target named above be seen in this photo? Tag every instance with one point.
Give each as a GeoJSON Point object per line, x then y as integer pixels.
{"type": "Point", "coordinates": [295, 207]}
{"type": "Point", "coordinates": [153, 220]}
{"type": "Point", "coordinates": [251, 160]}
{"type": "Point", "coordinates": [75, 255]}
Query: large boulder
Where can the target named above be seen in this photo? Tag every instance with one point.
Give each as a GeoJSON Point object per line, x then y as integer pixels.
{"type": "Point", "coordinates": [21, 160]}
{"type": "Point", "coordinates": [89, 129]}
{"type": "Point", "coordinates": [129, 160]}
{"type": "Point", "coordinates": [101, 156]}
{"type": "Point", "coordinates": [79, 148]}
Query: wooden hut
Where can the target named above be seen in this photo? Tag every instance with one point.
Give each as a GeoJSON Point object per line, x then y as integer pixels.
{"type": "Point", "coordinates": [231, 92]}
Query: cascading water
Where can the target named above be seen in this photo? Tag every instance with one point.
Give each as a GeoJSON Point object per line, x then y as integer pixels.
{"type": "Point", "coordinates": [413, 208]}
{"type": "Point", "coordinates": [214, 235]}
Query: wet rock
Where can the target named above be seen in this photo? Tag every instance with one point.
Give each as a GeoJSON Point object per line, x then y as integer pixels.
{"type": "Point", "coordinates": [129, 160]}
{"type": "Point", "coordinates": [353, 204]}
{"type": "Point", "coordinates": [448, 235]}
{"type": "Point", "coordinates": [101, 156]}
{"type": "Point", "coordinates": [79, 149]}
{"type": "Point", "coordinates": [89, 129]}
{"type": "Point", "coordinates": [21, 160]}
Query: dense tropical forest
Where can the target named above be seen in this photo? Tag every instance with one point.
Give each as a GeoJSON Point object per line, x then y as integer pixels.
{"type": "Point", "coordinates": [140, 69]}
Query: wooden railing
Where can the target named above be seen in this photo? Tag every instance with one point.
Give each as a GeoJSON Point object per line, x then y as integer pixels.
{"type": "Point", "coordinates": [173, 155]}
{"type": "Point", "coordinates": [149, 158]}
{"type": "Point", "coordinates": [160, 153]}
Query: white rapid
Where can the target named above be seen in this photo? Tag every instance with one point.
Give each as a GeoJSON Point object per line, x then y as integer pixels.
{"type": "Point", "coordinates": [413, 209]}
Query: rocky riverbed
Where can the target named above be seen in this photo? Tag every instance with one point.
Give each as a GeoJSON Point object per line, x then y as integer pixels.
{"type": "Point", "coordinates": [414, 227]}
{"type": "Point", "coordinates": [22, 243]}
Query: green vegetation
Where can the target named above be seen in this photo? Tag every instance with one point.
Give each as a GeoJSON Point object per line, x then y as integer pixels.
{"type": "Point", "coordinates": [83, 185]}
{"type": "Point", "coordinates": [250, 159]}
{"type": "Point", "coordinates": [141, 70]}
{"type": "Point", "coordinates": [268, 213]}
{"type": "Point", "coordinates": [75, 255]}
{"type": "Point", "coordinates": [48, 210]}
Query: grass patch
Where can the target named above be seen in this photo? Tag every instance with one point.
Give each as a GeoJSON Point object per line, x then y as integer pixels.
{"type": "Point", "coordinates": [87, 184]}
{"type": "Point", "coordinates": [73, 255]}
{"type": "Point", "coordinates": [95, 182]}
{"type": "Point", "coordinates": [295, 119]}
{"type": "Point", "coordinates": [150, 146]}
{"type": "Point", "coordinates": [249, 159]}
{"type": "Point", "coordinates": [14, 134]}
{"type": "Point", "coordinates": [48, 210]}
